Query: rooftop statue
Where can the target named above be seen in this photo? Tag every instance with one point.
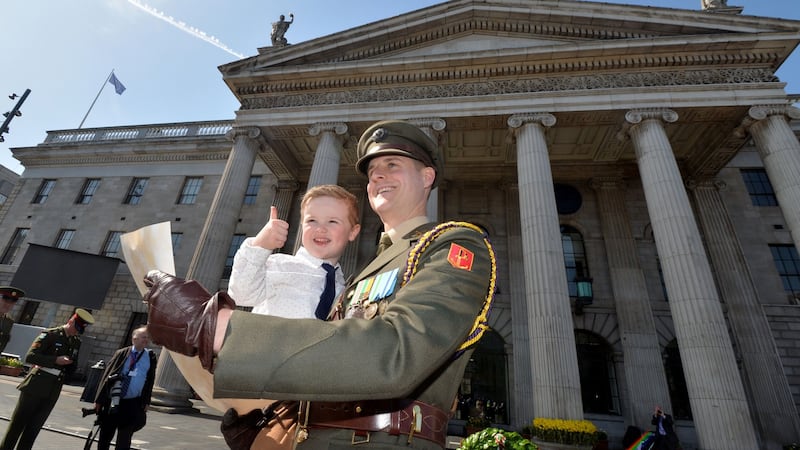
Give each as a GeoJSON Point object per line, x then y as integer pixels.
{"type": "Point", "coordinates": [279, 29]}
{"type": "Point", "coordinates": [713, 4]}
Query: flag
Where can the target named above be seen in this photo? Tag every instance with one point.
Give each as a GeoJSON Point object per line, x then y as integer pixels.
{"type": "Point", "coordinates": [118, 86]}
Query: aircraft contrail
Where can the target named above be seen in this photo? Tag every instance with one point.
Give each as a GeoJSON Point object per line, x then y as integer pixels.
{"type": "Point", "coordinates": [183, 27]}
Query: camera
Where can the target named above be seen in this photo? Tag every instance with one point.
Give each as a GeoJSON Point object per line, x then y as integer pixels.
{"type": "Point", "coordinates": [87, 412]}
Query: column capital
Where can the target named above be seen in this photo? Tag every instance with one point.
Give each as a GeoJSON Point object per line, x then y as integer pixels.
{"type": "Point", "coordinates": [288, 185]}
{"type": "Point", "coordinates": [757, 113]}
{"type": "Point", "coordinates": [434, 123]}
{"type": "Point", "coordinates": [544, 119]}
{"type": "Point", "coordinates": [335, 127]}
{"type": "Point", "coordinates": [693, 184]}
{"type": "Point", "coordinates": [598, 183]}
{"type": "Point", "coordinates": [636, 116]}
{"type": "Point", "coordinates": [508, 185]}
{"type": "Point", "coordinates": [249, 132]}
{"type": "Point", "coordinates": [761, 112]}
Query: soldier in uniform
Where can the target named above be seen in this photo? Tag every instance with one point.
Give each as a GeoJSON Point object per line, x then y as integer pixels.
{"type": "Point", "coordinates": [53, 354]}
{"type": "Point", "coordinates": [8, 298]}
{"type": "Point", "coordinates": [388, 375]}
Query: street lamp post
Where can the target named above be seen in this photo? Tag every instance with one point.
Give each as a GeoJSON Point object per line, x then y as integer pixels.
{"type": "Point", "coordinates": [15, 112]}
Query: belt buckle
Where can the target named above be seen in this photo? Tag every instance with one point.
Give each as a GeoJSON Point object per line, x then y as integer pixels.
{"type": "Point", "coordinates": [363, 440]}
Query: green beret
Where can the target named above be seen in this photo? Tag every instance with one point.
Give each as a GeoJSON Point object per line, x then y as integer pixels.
{"type": "Point", "coordinates": [11, 293]}
{"type": "Point", "coordinates": [397, 137]}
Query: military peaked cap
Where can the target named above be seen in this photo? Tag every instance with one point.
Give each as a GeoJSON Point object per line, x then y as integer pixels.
{"type": "Point", "coordinates": [397, 137]}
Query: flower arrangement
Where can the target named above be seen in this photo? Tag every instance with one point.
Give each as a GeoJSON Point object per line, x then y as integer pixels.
{"type": "Point", "coordinates": [560, 431]}
{"type": "Point", "coordinates": [490, 438]}
{"type": "Point", "coordinates": [10, 362]}
{"type": "Point", "coordinates": [478, 422]}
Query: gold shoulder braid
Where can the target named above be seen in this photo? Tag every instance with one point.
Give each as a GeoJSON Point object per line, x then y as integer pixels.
{"type": "Point", "coordinates": [481, 323]}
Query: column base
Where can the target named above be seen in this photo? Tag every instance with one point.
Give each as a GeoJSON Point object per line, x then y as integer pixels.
{"type": "Point", "coordinates": [171, 403]}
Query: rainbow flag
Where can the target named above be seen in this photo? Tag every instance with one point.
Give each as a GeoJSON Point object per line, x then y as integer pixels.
{"type": "Point", "coordinates": [645, 442]}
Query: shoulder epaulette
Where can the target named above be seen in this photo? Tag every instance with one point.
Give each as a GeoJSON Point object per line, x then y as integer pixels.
{"type": "Point", "coordinates": [481, 323]}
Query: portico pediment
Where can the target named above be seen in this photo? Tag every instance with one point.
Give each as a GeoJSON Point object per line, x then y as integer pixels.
{"type": "Point", "coordinates": [469, 28]}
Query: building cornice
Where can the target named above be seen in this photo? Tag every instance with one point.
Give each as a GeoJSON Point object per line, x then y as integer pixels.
{"type": "Point", "coordinates": [454, 83]}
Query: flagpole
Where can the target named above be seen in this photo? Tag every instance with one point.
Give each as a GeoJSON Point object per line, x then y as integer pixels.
{"type": "Point", "coordinates": [95, 99]}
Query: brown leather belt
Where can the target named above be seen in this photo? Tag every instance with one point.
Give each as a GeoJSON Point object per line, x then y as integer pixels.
{"type": "Point", "coordinates": [394, 417]}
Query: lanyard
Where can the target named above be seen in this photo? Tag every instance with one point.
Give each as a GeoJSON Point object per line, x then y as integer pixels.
{"type": "Point", "coordinates": [134, 361]}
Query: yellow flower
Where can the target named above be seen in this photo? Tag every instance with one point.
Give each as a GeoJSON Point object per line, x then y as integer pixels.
{"type": "Point", "coordinates": [561, 431]}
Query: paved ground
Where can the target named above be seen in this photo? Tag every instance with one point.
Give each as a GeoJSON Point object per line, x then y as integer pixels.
{"type": "Point", "coordinates": [66, 429]}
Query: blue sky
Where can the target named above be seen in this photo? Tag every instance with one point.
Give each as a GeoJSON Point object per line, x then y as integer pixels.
{"type": "Point", "coordinates": [64, 51]}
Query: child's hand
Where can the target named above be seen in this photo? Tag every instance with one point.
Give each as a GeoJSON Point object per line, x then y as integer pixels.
{"type": "Point", "coordinates": [274, 233]}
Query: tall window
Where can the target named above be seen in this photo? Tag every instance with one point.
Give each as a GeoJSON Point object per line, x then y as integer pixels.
{"type": "Point", "coordinates": [252, 190]}
{"type": "Point", "coordinates": [176, 240]}
{"type": "Point", "coordinates": [191, 187]}
{"type": "Point", "coordinates": [759, 187]}
{"type": "Point", "coordinates": [14, 245]}
{"type": "Point", "coordinates": [598, 377]}
{"type": "Point", "coordinates": [64, 238]}
{"type": "Point", "coordinates": [89, 188]}
{"type": "Point", "coordinates": [3, 198]}
{"type": "Point", "coordinates": [44, 191]}
{"type": "Point", "coordinates": [788, 264]}
{"type": "Point", "coordinates": [136, 191]}
{"type": "Point", "coordinates": [676, 383]}
{"type": "Point", "coordinates": [236, 242]}
{"type": "Point", "coordinates": [111, 246]}
{"type": "Point", "coordinates": [574, 257]}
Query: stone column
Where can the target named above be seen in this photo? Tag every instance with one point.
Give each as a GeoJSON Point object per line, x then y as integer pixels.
{"type": "Point", "coordinates": [644, 369]}
{"type": "Point", "coordinates": [556, 381]}
{"type": "Point", "coordinates": [208, 261]}
{"type": "Point", "coordinates": [522, 398]}
{"type": "Point", "coordinates": [329, 153]}
{"type": "Point", "coordinates": [171, 392]}
{"type": "Point", "coordinates": [284, 196]}
{"type": "Point", "coordinates": [770, 394]}
{"type": "Point", "coordinates": [432, 127]}
{"type": "Point", "coordinates": [719, 406]}
{"type": "Point", "coordinates": [780, 151]}
{"type": "Point", "coordinates": [349, 259]}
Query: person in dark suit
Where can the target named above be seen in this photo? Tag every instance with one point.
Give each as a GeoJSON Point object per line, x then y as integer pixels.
{"type": "Point", "coordinates": [53, 355]}
{"type": "Point", "coordinates": [124, 392]}
{"type": "Point", "coordinates": [387, 376]}
{"type": "Point", "coordinates": [665, 437]}
{"type": "Point", "coordinates": [8, 298]}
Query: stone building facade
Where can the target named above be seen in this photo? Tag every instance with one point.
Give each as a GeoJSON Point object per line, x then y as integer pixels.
{"type": "Point", "coordinates": [649, 153]}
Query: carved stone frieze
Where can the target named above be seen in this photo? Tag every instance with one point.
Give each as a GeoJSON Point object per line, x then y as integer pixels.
{"type": "Point", "coordinates": [452, 87]}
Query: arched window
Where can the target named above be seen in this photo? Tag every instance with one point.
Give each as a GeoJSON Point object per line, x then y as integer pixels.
{"type": "Point", "coordinates": [599, 390]}
{"type": "Point", "coordinates": [486, 380]}
{"type": "Point", "coordinates": [574, 258]}
{"type": "Point", "coordinates": [678, 394]}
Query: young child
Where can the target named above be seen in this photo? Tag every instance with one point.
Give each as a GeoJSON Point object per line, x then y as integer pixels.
{"type": "Point", "coordinates": [291, 285]}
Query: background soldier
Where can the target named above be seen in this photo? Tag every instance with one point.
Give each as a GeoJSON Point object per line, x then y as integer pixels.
{"type": "Point", "coordinates": [8, 298]}
{"type": "Point", "coordinates": [53, 353]}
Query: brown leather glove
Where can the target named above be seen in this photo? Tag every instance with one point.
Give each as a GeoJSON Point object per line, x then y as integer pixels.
{"type": "Point", "coordinates": [183, 315]}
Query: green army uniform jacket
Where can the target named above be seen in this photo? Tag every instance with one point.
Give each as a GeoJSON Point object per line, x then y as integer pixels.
{"type": "Point", "coordinates": [5, 330]}
{"type": "Point", "coordinates": [48, 346]}
{"type": "Point", "coordinates": [404, 353]}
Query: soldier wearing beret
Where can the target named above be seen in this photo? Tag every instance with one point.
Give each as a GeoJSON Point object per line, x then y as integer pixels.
{"type": "Point", "coordinates": [53, 354]}
{"type": "Point", "coordinates": [8, 298]}
{"type": "Point", "coordinates": [386, 376]}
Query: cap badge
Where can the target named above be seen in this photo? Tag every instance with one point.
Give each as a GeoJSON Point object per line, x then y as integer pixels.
{"type": "Point", "coordinates": [379, 135]}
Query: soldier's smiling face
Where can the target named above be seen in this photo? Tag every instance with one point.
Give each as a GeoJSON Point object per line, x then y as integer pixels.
{"type": "Point", "coordinates": [398, 187]}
